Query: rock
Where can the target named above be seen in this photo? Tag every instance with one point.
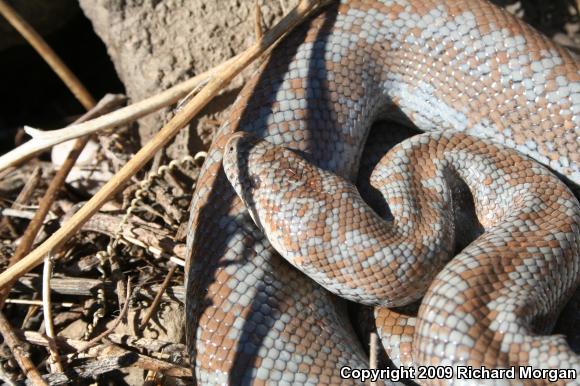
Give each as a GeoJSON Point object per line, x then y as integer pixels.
{"type": "Point", "coordinates": [155, 44]}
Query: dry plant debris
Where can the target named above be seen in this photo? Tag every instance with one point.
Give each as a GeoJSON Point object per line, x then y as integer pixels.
{"type": "Point", "coordinates": [109, 301]}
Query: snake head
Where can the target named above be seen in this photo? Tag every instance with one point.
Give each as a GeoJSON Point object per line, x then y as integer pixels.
{"type": "Point", "coordinates": [261, 174]}
{"type": "Point", "coordinates": [276, 185]}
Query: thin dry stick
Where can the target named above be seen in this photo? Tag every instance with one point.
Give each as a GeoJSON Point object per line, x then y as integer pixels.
{"type": "Point", "coordinates": [158, 296]}
{"type": "Point", "coordinates": [47, 54]}
{"type": "Point", "coordinates": [28, 189]}
{"type": "Point", "coordinates": [107, 103]}
{"type": "Point", "coordinates": [298, 15]}
{"type": "Point", "coordinates": [31, 311]}
{"type": "Point", "coordinates": [34, 302]}
{"type": "Point", "coordinates": [56, 365]}
{"type": "Point", "coordinates": [177, 260]}
{"type": "Point", "coordinates": [42, 140]}
{"type": "Point", "coordinates": [21, 356]}
{"type": "Point", "coordinates": [95, 341]}
{"type": "Point", "coordinates": [373, 354]}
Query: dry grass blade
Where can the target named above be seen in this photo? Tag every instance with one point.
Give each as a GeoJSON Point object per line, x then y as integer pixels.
{"type": "Point", "coordinates": [298, 15]}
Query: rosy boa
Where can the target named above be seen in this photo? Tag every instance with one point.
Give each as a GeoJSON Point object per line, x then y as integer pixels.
{"type": "Point", "coordinates": [463, 67]}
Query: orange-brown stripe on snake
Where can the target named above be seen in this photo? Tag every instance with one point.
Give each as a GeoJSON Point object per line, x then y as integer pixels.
{"type": "Point", "coordinates": [458, 66]}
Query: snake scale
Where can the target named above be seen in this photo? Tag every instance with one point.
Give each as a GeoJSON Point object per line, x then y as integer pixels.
{"type": "Point", "coordinates": [489, 92]}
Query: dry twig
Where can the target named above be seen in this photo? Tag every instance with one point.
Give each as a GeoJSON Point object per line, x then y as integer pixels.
{"type": "Point", "coordinates": [28, 188]}
{"type": "Point", "coordinates": [31, 311]}
{"type": "Point", "coordinates": [158, 296]}
{"type": "Point", "coordinates": [373, 354]}
{"type": "Point", "coordinates": [34, 302]}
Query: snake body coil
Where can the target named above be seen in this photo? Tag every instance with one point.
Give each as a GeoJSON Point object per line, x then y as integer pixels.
{"type": "Point", "coordinates": [453, 66]}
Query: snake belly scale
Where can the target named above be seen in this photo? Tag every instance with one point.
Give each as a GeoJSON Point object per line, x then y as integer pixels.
{"type": "Point", "coordinates": [453, 66]}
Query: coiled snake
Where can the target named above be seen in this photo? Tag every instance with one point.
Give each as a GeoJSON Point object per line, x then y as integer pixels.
{"type": "Point", "coordinates": [489, 92]}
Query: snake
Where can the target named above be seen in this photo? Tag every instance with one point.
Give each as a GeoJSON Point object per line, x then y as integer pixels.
{"type": "Point", "coordinates": [270, 273]}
